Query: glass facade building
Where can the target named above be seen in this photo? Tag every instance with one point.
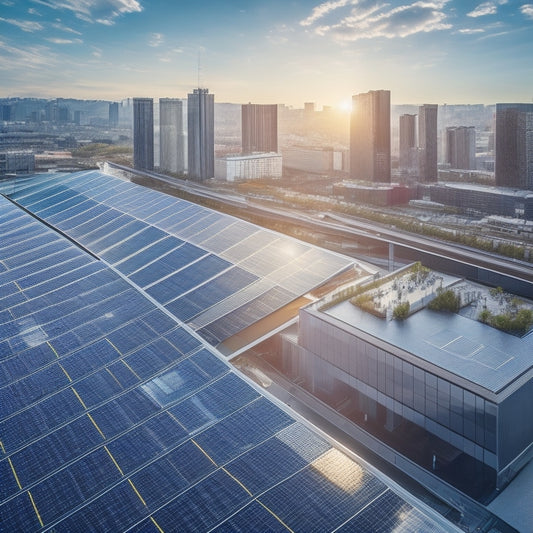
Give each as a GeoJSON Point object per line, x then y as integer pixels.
{"type": "Point", "coordinates": [468, 432]}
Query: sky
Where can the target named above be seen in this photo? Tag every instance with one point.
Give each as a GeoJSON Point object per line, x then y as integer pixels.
{"type": "Point", "coordinates": [275, 51]}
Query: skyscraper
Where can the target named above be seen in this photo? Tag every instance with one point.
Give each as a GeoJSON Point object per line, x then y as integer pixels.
{"type": "Point", "coordinates": [514, 145]}
{"type": "Point", "coordinates": [407, 139]}
{"type": "Point", "coordinates": [259, 128]}
{"type": "Point", "coordinates": [113, 114]}
{"type": "Point", "coordinates": [172, 138]}
{"type": "Point", "coordinates": [461, 147]}
{"type": "Point", "coordinates": [427, 139]}
{"type": "Point", "coordinates": [143, 133]}
{"type": "Point", "coordinates": [201, 134]}
{"type": "Point", "coordinates": [370, 136]}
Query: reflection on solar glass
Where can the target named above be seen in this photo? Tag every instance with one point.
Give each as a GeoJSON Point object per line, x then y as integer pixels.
{"type": "Point", "coordinates": [115, 416]}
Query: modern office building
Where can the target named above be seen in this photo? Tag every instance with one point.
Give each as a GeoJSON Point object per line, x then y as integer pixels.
{"type": "Point", "coordinates": [119, 412]}
{"type": "Point", "coordinates": [484, 199]}
{"type": "Point", "coordinates": [143, 133]}
{"type": "Point", "coordinates": [440, 393]}
{"type": "Point", "coordinates": [514, 145]}
{"type": "Point", "coordinates": [407, 140]}
{"type": "Point", "coordinates": [17, 161]}
{"type": "Point", "coordinates": [461, 147]}
{"type": "Point", "coordinates": [201, 134]}
{"type": "Point", "coordinates": [427, 142]}
{"type": "Point", "coordinates": [315, 159]}
{"type": "Point", "coordinates": [259, 128]}
{"type": "Point", "coordinates": [248, 167]}
{"type": "Point", "coordinates": [171, 136]}
{"type": "Point", "coordinates": [370, 149]}
{"type": "Point", "coordinates": [113, 115]}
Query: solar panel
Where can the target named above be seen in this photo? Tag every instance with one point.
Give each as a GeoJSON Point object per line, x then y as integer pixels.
{"type": "Point", "coordinates": [115, 416]}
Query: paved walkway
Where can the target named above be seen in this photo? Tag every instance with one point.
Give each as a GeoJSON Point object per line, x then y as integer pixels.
{"type": "Point", "coordinates": [515, 503]}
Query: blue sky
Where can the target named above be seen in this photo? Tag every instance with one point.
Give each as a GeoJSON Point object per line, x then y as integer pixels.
{"type": "Point", "coordinates": [427, 51]}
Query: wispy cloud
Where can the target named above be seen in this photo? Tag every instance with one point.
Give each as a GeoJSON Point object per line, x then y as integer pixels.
{"type": "Point", "coordinates": [486, 8]}
{"type": "Point", "coordinates": [323, 9]}
{"type": "Point", "coordinates": [99, 11]}
{"type": "Point", "coordinates": [24, 25]}
{"type": "Point", "coordinates": [156, 39]}
{"type": "Point", "coordinates": [26, 57]}
{"type": "Point", "coordinates": [470, 31]}
{"type": "Point", "coordinates": [527, 10]}
{"type": "Point", "coordinates": [57, 40]}
{"type": "Point", "coordinates": [366, 19]}
{"type": "Point", "coordinates": [33, 11]}
{"type": "Point", "coordinates": [59, 26]}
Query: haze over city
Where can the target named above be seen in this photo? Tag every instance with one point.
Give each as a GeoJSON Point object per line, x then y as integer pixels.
{"type": "Point", "coordinates": [272, 52]}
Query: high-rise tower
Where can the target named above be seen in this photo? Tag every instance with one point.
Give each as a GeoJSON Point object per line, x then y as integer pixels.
{"type": "Point", "coordinates": [201, 134]}
{"type": "Point", "coordinates": [172, 138]}
{"type": "Point", "coordinates": [143, 133]}
{"type": "Point", "coordinates": [407, 140]}
{"type": "Point", "coordinates": [259, 128]}
{"type": "Point", "coordinates": [113, 114]}
{"type": "Point", "coordinates": [514, 145]}
{"type": "Point", "coordinates": [461, 147]}
{"type": "Point", "coordinates": [370, 136]}
{"type": "Point", "coordinates": [427, 139]}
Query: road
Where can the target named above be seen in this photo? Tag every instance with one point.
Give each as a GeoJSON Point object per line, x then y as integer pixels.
{"type": "Point", "coordinates": [351, 228]}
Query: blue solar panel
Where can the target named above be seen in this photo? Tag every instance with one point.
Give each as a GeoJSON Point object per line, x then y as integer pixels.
{"type": "Point", "coordinates": [204, 505]}
{"type": "Point", "coordinates": [138, 446]}
{"type": "Point", "coordinates": [248, 427]}
{"type": "Point", "coordinates": [214, 291]}
{"type": "Point", "coordinates": [188, 278]}
{"type": "Point", "coordinates": [169, 263]}
{"type": "Point", "coordinates": [253, 517]}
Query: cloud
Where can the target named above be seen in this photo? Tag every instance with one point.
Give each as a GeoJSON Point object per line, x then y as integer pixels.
{"type": "Point", "coordinates": [323, 9]}
{"type": "Point", "coordinates": [99, 11]}
{"type": "Point", "coordinates": [470, 31]}
{"type": "Point", "coordinates": [367, 20]}
{"type": "Point", "coordinates": [24, 25]}
{"type": "Point", "coordinates": [57, 40]}
{"type": "Point", "coordinates": [486, 8]}
{"type": "Point", "coordinates": [156, 39]}
{"type": "Point", "coordinates": [62, 27]}
{"type": "Point", "coordinates": [33, 11]}
{"type": "Point", "coordinates": [527, 10]}
{"type": "Point", "coordinates": [26, 57]}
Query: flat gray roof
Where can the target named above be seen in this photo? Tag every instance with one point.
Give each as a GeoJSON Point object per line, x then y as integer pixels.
{"type": "Point", "coordinates": [479, 353]}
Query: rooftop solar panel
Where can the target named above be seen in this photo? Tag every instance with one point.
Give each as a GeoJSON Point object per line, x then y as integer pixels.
{"type": "Point", "coordinates": [115, 416]}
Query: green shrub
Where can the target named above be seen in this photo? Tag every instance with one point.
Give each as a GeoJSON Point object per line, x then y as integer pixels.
{"type": "Point", "coordinates": [446, 300]}
{"type": "Point", "coordinates": [401, 311]}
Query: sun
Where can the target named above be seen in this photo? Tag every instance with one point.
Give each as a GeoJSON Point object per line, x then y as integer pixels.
{"type": "Point", "coordinates": [345, 106]}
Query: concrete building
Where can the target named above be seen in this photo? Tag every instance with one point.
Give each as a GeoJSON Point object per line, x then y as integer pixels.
{"type": "Point", "coordinates": [514, 145]}
{"type": "Point", "coordinates": [171, 136]}
{"type": "Point", "coordinates": [407, 141]}
{"type": "Point", "coordinates": [249, 167]}
{"type": "Point", "coordinates": [503, 201]}
{"type": "Point", "coordinates": [315, 160]}
{"type": "Point", "coordinates": [427, 142]}
{"type": "Point", "coordinates": [143, 133]}
{"type": "Point", "coordinates": [370, 150]}
{"type": "Point", "coordinates": [21, 161]}
{"type": "Point", "coordinates": [461, 147]}
{"type": "Point", "coordinates": [201, 134]}
{"type": "Point", "coordinates": [381, 195]}
{"type": "Point", "coordinates": [439, 391]}
{"type": "Point", "coordinates": [113, 115]}
{"type": "Point", "coordinates": [259, 128]}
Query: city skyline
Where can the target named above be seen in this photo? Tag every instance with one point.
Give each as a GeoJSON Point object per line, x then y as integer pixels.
{"type": "Point", "coordinates": [438, 51]}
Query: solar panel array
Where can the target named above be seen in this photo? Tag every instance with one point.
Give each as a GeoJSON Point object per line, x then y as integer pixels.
{"type": "Point", "coordinates": [214, 272]}
{"type": "Point", "coordinates": [116, 417]}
